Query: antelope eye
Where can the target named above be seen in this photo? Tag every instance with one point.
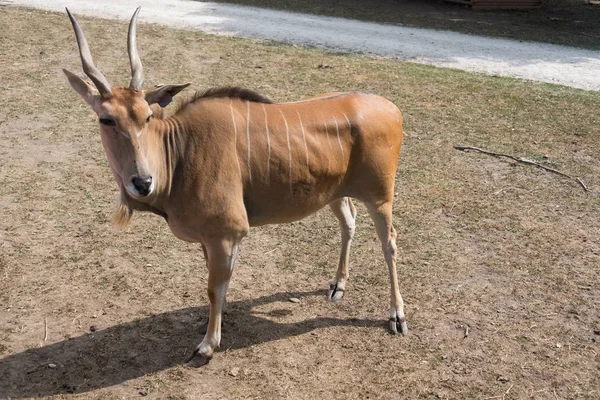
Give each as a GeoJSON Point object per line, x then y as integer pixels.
{"type": "Point", "coordinates": [148, 119]}
{"type": "Point", "coordinates": [107, 121]}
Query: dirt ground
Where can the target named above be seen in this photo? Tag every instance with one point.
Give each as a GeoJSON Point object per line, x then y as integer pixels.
{"type": "Point", "coordinates": [499, 266]}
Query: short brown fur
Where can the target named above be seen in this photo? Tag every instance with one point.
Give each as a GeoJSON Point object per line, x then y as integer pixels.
{"type": "Point", "coordinates": [230, 159]}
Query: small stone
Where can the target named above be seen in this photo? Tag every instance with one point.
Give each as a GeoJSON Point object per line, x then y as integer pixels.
{"type": "Point", "coordinates": [143, 392]}
{"type": "Point", "coordinates": [148, 265]}
{"type": "Point", "coordinates": [444, 357]}
{"type": "Point", "coordinates": [93, 328]}
{"type": "Point", "coordinates": [234, 371]}
{"type": "Point", "coordinates": [294, 300]}
{"type": "Point", "coordinates": [502, 379]}
{"type": "Point", "coordinates": [559, 345]}
{"type": "Point", "coordinates": [52, 365]}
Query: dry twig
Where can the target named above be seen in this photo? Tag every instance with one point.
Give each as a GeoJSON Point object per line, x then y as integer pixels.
{"type": "Point", "coordinates": [524, 161]}
{"type": "Point", "coordinates": [504, 395]}
{"type": "Point", "coordinates": [45, 329]}
{"type": "Point", "coordinates": [77, 319]}
{"type": "Point", "coordinates": [500, 396]}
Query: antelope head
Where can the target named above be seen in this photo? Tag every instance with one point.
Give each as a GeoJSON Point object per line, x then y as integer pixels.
{"type": "Point", "coordinates": [125, 117]}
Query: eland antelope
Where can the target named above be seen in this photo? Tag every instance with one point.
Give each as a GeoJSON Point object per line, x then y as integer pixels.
{"type": "Point", "coordinates": [230, 159]}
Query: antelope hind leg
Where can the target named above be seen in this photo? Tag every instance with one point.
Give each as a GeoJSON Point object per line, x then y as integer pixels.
{"type": "Point", "coordinates": [382, 217]}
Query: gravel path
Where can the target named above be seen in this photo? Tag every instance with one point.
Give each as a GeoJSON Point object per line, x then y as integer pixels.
{"type": "Point", "coordinates": [540, 62]}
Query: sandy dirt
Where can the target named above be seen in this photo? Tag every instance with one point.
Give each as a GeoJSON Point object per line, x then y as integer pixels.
{"type": "Point", "coordinates": [540, 62]}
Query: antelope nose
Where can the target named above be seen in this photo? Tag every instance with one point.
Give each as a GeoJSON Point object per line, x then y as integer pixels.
{"type": "Point", "coordinates": [142, 184]}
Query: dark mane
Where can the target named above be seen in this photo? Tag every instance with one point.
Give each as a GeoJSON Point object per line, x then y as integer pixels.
{"type": "Point", "coordinates": [232, 92]}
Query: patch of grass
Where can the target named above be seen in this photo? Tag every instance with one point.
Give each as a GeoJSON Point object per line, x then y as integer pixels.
{"type": "Point", "coordinates": [564, 22]}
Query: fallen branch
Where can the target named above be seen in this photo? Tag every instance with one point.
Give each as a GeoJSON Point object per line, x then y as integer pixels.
{"type": "Point", "coordinates": [505, 393]}
{"type": "Point", "coordinates": [524, 161]}
{"type": "Point", "coordinates": [45, 329]}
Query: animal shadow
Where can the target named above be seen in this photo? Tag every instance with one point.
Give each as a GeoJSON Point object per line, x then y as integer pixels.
{"type": "Point", "coordinates": [133, 349]}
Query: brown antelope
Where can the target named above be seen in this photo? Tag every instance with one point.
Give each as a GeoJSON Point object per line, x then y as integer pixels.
{"type": "Point", "coordinates": [230, 159]}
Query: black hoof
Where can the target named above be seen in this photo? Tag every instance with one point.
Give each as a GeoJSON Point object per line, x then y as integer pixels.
{"type": "Point", "coordinates": [197, 360]}
{"type": "Point", "coordinates": [398, 325]}
{"type": "Point", "coordinates": [335, 294]}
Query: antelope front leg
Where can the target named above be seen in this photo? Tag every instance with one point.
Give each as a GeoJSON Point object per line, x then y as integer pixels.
{"type": "Point", "coordinates": [345, 212]}
{"type": "Point", "coordinates": [221, 254]}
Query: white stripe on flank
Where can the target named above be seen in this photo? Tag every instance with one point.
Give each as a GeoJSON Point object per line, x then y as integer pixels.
{"type": "Point", "coordinates": [268, 144]}
{"type": "Point", "coordinates": [349, 124]}
{"type": "Point", "coordinates": [235, 138]}
{"type": "Point", "coordinates": [330, 150]}
{"type": "Point", "coordinates": [248, 140]}
{"type": "Point", "coordinates": [287, 135]}
{"type": "Point", "coordinates": [303, 137]}
{"type": "Point", "coordinates": [337, 129]}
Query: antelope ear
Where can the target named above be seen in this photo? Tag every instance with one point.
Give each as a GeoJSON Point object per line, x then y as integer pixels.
{"type": "Point", "coordinates": [164, 94]}
{"type": "Point", "coordinates": [86, 91]}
